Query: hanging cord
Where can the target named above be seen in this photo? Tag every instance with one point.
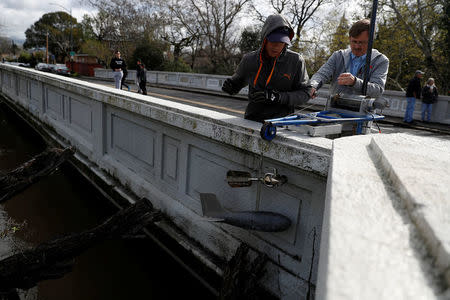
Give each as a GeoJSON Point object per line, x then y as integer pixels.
{"type": "Point", "coordinates": [304, 108]}
{"type": "Point", "coordinates": [376, 123]}
{"type": "Point", "coordinates": [260, 175]}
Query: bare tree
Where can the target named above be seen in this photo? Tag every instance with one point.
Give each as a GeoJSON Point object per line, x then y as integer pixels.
{"type": "Point", "coordinates": [180, 28]}
{"type": "Point", "coordinates": [297, 12]}
{"type": "Point", "coordinates": [216, 21]}
{"type": "Point", "coordinates": [421, 19]}
{"type": "Point", "coordinates": [123, 23]}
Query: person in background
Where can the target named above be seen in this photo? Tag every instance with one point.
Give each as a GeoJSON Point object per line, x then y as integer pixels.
{"type": "Point", "coordinates": [33, 61]}
{"type": "Point", "coordinates": [413, 92]}
{"type": "Point", "coordinates": [429, 96]}
{"type": "Point", "coordinates": [124, 77]}
{"type": "Point", "coordinates": [117, 64]}
{"type": "Point", "coordinates": [142, 78]}
{"type": "Point", "coordinates": [276, 77]}
{"type": "Point", "coordinates": [136, 80]}
{"type": "Point", "coordinates": [345, 68]}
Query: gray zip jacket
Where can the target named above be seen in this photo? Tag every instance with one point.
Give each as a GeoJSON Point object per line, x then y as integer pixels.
{"type": "Point", "coordinates": [339, 63]}
{"type": "Point", "coordinates": [286, 74]}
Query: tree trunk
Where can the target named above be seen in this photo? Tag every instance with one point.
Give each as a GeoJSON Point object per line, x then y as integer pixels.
{"type": "Point", "coordinates": [55, 258]}
{"type": "Point", "coordinates": [32, 171]}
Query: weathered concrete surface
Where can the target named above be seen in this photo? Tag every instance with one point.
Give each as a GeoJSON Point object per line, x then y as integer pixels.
{"type": "Point", "coordinates": [170, 153]}
{"type": "Point", "coordinates": [386, 220]}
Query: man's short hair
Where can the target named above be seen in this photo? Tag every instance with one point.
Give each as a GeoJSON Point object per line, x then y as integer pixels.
{"type": "Point", "coordinates": [359, 27]}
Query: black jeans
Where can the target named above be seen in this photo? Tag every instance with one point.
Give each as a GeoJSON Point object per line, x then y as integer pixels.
{"type": "Point", "coordinates": [143, 87]}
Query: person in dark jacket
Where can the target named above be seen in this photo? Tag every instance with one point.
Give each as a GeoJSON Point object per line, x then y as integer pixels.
{"type": "Point", "coordinates": [118, 65]}
{"type": "Point", "coordinates": [141, 77]}
{"type": "Point", "coordinates": [429, 96]}
{"type": "Point", "coordinates": [124, 77]}
{"type": "Point", "coordinates": [276, 77]}
{"type": "Point", "coordinates": [412, 93]}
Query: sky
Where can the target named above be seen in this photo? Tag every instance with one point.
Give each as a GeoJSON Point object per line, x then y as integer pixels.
{"type": "Point", "coordinates": [16, 16]}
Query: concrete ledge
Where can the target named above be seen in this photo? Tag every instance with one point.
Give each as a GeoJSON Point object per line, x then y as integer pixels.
{"type": "Point", "coordinates": [418, 168]}
{"type": "Point", "coordinates": [372, 247]}
{"type": "Point", "coordinates": [304, 152]}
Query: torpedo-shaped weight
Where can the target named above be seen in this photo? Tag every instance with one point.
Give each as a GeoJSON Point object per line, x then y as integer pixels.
{"type": "Point", "coordinates": [266, 221]}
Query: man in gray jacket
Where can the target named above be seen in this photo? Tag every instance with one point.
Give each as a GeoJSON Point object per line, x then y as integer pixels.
{"type": "Point", "coordinates": [345, 68]}
{"type": "Point", "coordinates": [276, 76]}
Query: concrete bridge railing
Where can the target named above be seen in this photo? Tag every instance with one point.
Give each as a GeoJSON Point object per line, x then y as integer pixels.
{"type": "Point", "coordinates": [376, 206]}
{"type": "Point", "coordinates": [171, 152]}
{"type": "Point", "coordinates": [440, 113]}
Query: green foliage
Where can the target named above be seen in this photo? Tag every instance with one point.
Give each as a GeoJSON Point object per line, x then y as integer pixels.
{"type": "Point", "coordinates": [63, 33]}
{"type": "Point", "coordinates": [98, 49]}
{"type": "Point", "coordinates": [86, 27]}
{"type": "Point", "coordinates": [250, 40]}
{"type": "Point", "coordinates": [24, 57]}
{"type": "Point", "coordinates": [404, 56]}
{"type": "Point", "coordinates": [420, 23]}
{"type": "Point", "coordinates": [151, 53]}
{"type": "Point", "coordinates": [340, 36]}
{"type": "Point", "coordinates": [39, 56]}
{"type": "Point", "coordinates": [316, 60]}
{"type": "Point", "coordinates": [176, 66]}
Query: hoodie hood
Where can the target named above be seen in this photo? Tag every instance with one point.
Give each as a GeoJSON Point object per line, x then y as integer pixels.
{"type": "Point", "coordinates": [273, 22]}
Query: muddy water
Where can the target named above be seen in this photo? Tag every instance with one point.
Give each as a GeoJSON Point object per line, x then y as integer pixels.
{"type": "Point", "coordinates": [65, 202]}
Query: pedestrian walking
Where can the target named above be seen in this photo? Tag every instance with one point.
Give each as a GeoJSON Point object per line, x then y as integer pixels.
{"type": "Point", "coordinates": [117, 64]}
{"type": "Point", "coordinates": [429, 96]}
{"type": "Point", "coordinates": [136, 79]}
{"type": "Point", "coordinates": [413, 92]}
{"type": "Point", "coordinates": [141, 76]}
{"type": "Point", "coordinates": [124, 77]}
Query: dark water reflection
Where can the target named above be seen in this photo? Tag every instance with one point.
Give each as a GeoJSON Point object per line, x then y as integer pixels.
{"type": "Point", "coordinates": [65, 202]}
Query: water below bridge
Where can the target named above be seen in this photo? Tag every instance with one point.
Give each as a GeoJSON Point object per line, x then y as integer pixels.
{"type": "Point", "coordinates": [66, 202]}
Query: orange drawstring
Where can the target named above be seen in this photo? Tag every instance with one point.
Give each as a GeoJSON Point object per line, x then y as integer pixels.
{"type": "Point", "coordinates": [271, 72]}
{"type": "Point", "coordinates": [260, 63]}
{"type": "Point", "coordinates": [260, 66]}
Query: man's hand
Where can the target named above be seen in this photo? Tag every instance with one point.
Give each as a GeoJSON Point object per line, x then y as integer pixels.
{"type": "Point", "coordinates": [228, 88]}
{"type": "Point", "coordinates": [313, 93]}
{"type": "Point", "coordinates": [346, 79]}
{"type": "Point", "coordinates": [268, 96]}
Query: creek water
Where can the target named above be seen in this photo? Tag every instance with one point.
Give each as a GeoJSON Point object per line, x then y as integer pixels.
{"type": "Point", "coordinates": [65, 202]}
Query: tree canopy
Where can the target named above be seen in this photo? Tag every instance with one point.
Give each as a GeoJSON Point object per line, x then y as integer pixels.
{"type": "Point", "coordinates": [63, 32]}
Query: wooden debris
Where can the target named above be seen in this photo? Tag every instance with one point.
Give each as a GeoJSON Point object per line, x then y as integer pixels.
{"type": "Point", "coordinates": [241, 276]}
{"type": "Point", "coordinates": [32, 171]}
{"type": "Point", "coordinates": [55, 258]}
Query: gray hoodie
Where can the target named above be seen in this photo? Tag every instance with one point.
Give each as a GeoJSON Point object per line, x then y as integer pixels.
{"type": "Point", "coordinates": [289, 76]}
{"type": "Point", "coordinates": [339, 63]}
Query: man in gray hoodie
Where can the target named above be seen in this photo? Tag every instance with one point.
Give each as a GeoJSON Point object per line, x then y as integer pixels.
{"type": "Point", "coordinates": [277, 77]}
{"type": "Point", "coordinates": [345, 68]}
